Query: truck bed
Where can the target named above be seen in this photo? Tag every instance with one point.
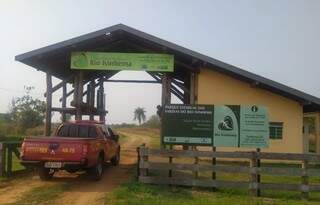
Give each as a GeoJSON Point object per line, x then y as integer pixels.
{"type": "Point", "coordinates": [54, 148]}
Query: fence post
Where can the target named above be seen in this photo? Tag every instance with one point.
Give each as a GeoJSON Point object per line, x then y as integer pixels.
{"type": "Point", "coordinates": [3, 159]}
{"type": "Point", "coordinates": [9, 162]}
{"type": "Point", "coordinates": [196, 162]}
{"type": "Point", "coordinates": [258, 175]}
{"type": "Point", "coordinates": [170, 161]}
{"type": "Point", "coordinates": [144, 158]}
{"type": "Point", "coordinates": [304, 180]}
{"type": "Point", "coordinates": [253, 187]}
{"type": "Point", "coordinates": [2, 165]}
{"type": "Point", "coordinates": [213, 172]}
{"type": "Point", "coordinates": [138, 163]}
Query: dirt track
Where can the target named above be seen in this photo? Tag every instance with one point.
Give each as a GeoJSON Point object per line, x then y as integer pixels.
{"type": "Point", "coordinates": [82, 190]}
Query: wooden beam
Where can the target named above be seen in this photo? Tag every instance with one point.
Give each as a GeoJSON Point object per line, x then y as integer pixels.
{"type": "Point", "coordinates": [178, 95]}
{"type": "Point", "coordinates": [84, 93]}
{"type": "Point", "coordinates": [131, 81]}
{"type": "Point", "coordinates": [47, 130]}
{"type": "Point", "coordinates": [78, 94]}
{"type": "Point", "coordinates": [173, 81]}
{"type": "Point", "coordinates": [64, 101]}
{"type": "Point", "coordinates": [69, 110]}
{"type": "Point", "coordinates": [92, 97]}
{"type": "Point", "coordinates": [173, 89]}
{"type": "Point", "coordinates": [192, 88]}
{"type": "Point", "coordinates": [59, 85]}
{"type": "Point", "coordinates": [101, 100]}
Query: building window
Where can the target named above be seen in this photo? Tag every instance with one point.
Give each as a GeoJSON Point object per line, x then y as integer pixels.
{"type": "Point", "coordinates": [276, 129]}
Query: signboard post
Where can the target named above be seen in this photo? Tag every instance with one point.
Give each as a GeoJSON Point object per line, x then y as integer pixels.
{"type": "Point", "coordinates": [122, 61]}
{"type": "Point", "coordinates": [217, 126]}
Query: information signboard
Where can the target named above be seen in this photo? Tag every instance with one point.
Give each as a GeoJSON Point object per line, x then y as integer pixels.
{"type": "Point", "coordinates": [122, 61]}
{"type": "Point", "coordinates": [187, 124]}
{"type": "Point", "coordinates": [220, 126]}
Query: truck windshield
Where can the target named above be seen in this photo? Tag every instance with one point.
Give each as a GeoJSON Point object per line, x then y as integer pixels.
{"type": "Point", "coordinates": [82, 131]}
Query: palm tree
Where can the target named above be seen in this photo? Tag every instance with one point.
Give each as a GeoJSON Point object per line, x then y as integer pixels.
{"type": "Point", "coordinates": [139, 114]}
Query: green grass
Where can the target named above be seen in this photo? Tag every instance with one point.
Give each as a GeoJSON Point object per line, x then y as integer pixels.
{"type": "Point", "coordinates": [16, 165]}
{"type": "Point", "coordinates": [135, 193]}
{"type": "Point", "coordinates": [42, 195]}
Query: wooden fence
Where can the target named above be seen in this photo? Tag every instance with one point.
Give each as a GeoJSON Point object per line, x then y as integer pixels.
{"type": "Point", "coordinates": [7, 149]}
{"type": "Point", "coordinates": [254, 170]}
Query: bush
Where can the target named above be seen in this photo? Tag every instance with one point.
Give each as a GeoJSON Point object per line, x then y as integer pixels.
{"type": "Point", "coordinates": [35, 131]}
{"type": "Point", "coordinates": [152, 122]}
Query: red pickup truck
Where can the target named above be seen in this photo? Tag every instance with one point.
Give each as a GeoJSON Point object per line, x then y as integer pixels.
{"type": "Point", "coordinates": [80, 145]}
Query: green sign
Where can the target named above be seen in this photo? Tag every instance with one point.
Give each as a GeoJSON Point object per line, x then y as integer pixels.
{"type": "Point", "coordinates": [220, 126]}
{"type": "Point", "coordinates": [226, 126]}
{"type": "Point", "coordinates": [254, 126]}
{"type": "Point", "coordinates": [187, 124]}
{"type": "Point", "coordinates": [122, 61]}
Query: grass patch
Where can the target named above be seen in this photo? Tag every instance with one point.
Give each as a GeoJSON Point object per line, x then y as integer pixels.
{"type": "Point", "coordinates": [135, 193]}
{"type": "Point", "coordinates": [42, 195]}
{"type": "Point", "coordinates": [16, 165]}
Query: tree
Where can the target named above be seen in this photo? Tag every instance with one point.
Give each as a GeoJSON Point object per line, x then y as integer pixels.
{"type": "Point", "coordinates": [153, 122]}
{"type": "Point", "coordinates": [139, 114]}
{"type": "Point", "coordinates": [27, 112]}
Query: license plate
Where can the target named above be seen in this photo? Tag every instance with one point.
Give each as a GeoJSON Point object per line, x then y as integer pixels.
{"type": "Point", "coordinates": [53, 165]}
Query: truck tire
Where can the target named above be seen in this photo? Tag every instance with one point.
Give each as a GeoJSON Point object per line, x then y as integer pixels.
{"type": "Point", "coordinates": [116, 159]}
{"type": "Point", "coordinates": [45, 173]}
{"type": "Point", "coordinates": [96, 172]}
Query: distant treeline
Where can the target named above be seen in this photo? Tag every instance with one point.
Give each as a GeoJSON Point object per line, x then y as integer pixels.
{"type": "Point", "coordinates": [152, 122]}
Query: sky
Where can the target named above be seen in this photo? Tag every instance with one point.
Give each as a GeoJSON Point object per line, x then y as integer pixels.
{"type": "Point", "coordinates": [277, 39]}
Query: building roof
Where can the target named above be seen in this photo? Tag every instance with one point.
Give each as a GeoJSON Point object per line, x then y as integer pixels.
{"type": "Point", "coordinates": [121, 38]}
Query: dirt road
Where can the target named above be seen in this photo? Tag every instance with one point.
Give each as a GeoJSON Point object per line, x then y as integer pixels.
{"type": "Point", "coordinates": [82, 190]}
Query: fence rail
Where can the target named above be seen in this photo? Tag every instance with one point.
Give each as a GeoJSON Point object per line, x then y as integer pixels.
{"type": "Point", "coordinates": [7, 149]}
{"type": "Point", "coordinates": [254, 170]}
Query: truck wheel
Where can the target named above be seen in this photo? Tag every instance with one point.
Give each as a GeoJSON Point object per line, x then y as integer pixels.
{"type": "Point", "coordinates": [116, 159]}
{"type": "Point", "coordinates": [97, 171]}
{"type": "Point", "coordinates": [45, 174]}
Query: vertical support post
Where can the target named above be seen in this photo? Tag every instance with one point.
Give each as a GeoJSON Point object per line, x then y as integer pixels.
{"type": "Point", "coordinates": [92, 97]}
{"type": "Point", "coordinates": [2, 160]}
{"type": "Point", "coordinates": [192, 101]}
{"type": "Point", "coordinates": [64, 101]}
{"type": "Point", "coordinates": [101, 101]}
{"type": "Point", "coordinates": [9, 160]}
{"type": "Point", "coordinates": [79, 95]}
{"type": "Point", "coordinates": [166, 99]}
{"type": "Point", "coordinates": [253, 189]}
{"type": "Point", "coordinates": [304, 180]}
{"type": "Point", "coordinates": [186, 99]}
{"type": "Point", "coordinates": [47, 130]}
{"type": "Point", "coordinates": [88, 94]}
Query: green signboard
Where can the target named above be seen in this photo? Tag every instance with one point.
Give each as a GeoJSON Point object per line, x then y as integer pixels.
{"type": "Point", "coordinates": [187, 124]}
{"type": "Point", "coordinates": [220, 126]}
{"type": "Point", "coordinates": [122, 61]}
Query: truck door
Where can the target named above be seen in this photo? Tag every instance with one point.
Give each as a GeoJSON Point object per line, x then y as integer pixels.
{"type": "Point", "coordinates": [108, 148]}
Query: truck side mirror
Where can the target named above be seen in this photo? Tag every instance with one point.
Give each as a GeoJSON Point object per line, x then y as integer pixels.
{"type": "Point", "coordinates": [116, 138]}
